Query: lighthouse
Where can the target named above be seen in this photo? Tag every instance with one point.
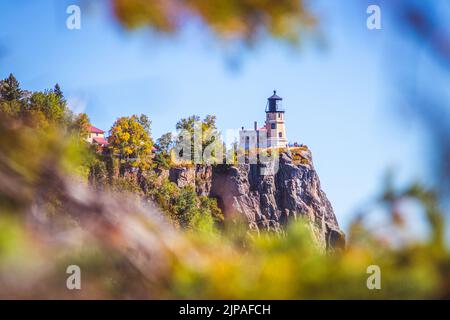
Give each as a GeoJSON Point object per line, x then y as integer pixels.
{"type": "Point", "coordinates": [276, 130]}
{"type": "Point", "coordinates": [272, 134]}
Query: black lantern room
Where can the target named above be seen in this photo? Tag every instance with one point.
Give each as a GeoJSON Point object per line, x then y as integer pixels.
{"type": "Point", "coordinates": [274, 103]}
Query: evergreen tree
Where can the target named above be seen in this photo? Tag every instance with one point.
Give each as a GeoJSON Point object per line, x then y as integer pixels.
{"type": "Point", "coordinates": [10, 89]}
{"type": "Point", "coordinates": [57, 91]}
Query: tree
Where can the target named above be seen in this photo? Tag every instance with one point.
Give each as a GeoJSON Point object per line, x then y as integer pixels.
{"type": "Point", "coordinates": [212, 145]}
{"type": "Point", "coordinates": [81, 125]}
{"type": "Point", "coordinates": [131, 142]}
{"type": "Point", "coordinates": [51, 106]}
{"type": "Point", "coordinates": [165, 142]}
{"type": "Point", "coordinates": [187, 123]}
{"type": "Point", "coordinates": [59, 94]}
{"type": "Point", "coordinates": [145, 123]}
{"type": "Point", "coordinates": [163, 147]}
{"type": "Point", "coordinates": [11, 108]}
{"type": "Point", "coordinates": [36, 109]}
{"type": "Point", "coordinates": [209, 122]}
{"type": "Point", "coordinates": [205, 136]}
{"type": "Point", "coordinates": [240, 20]}
{"type": "Point", "coordinates": [10, 89]}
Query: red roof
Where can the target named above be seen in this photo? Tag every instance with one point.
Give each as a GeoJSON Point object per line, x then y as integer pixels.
{"type": "Point", "coordinates": [100, 141]}
{"type": "Point", "coordinates": [93, 129]}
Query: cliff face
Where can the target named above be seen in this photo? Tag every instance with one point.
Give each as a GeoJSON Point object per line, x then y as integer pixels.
{"type": "Point", "coordinates": [268, 202]}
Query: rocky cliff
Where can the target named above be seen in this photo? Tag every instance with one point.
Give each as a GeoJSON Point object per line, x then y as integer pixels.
{"type": "Point", "coordinates": [268, 202]}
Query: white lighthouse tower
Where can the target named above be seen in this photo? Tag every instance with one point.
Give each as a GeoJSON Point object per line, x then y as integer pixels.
{"type": "Point", "coordinates": [272, 134]}
{"type": "Point", "coordinates": [276, 131]}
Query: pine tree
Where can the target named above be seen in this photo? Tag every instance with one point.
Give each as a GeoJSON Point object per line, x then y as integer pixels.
{"type": "Point", "coordinates": [10, 89]}
{"type": "Point", "coordinates": [59, 94]}
{"type": "Point", "coordinates": [57, 91]}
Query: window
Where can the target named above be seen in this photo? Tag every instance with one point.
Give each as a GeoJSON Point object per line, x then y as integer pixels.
{"type": "Point", "coordinates": [272, 126]}
{"type": "Point", "coordinates": [247, 143]}
{"type": "Point", "coordinates": [280, 134]}
{"type": "Point", "coordinates": [279, 115]}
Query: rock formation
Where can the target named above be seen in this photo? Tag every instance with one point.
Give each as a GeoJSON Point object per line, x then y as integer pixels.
{"type": "Point", "coordinates": [268, 202]}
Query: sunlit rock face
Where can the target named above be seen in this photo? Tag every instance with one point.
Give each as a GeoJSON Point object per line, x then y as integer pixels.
{"type": "Point", "coordinates": [268, 202]}
{"type": "Point", "coordinates": [199, 175]}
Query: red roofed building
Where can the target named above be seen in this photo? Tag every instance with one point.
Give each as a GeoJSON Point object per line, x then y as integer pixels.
{"type": "Point", "coordinates": [96, 136]}
{"type": "Point", "coordinates": [100, 140]}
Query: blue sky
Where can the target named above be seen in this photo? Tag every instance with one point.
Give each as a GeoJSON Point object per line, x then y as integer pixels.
{"type": "Point", "coordinates": [337, 92]}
